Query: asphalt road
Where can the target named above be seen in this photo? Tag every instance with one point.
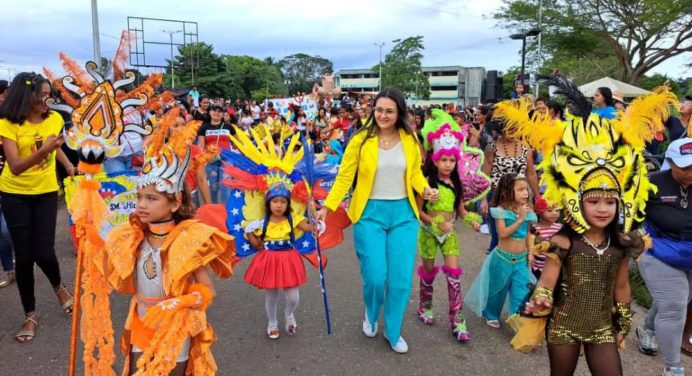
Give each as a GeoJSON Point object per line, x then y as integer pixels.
{"type": "Point", "coordinates": [242, 348]}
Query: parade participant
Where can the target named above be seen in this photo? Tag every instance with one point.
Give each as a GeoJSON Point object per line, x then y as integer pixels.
{"type": "Point", "coordinates": [506, 270]}
{"type": "Point", "coordinates": [508, 154]}
{"type": "Point", "coordinates": [667, 267]}
{"type": "Point", "coordinates": [444, 141]}
{"type": "Point", "coordinates": [594, 169]}
{"type": "Point", "coordinates": [29, 189]}
{"type": "Point", "coordinates": [267, 213]}
{"type": "Point", "coordinates": [386, 158]}
{"type": "Point", "coordinates": [164, 258]}
{"type": "Point", "coordinates": [546, 227]}
{"type": "Point", "coordinates": [604, 103]}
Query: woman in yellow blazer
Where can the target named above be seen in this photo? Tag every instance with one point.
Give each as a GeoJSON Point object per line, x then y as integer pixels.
{"type": "Point", "coordinates": [385, 157]}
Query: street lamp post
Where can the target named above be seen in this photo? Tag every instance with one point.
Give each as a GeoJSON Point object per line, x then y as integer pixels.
{"type": "Point", "coordinates": [170, 34]}
{"type": "Point", "coordinates": [523, 36]}
{"type": "Point", "coordinates": [379, 80]}
{"type": "Point", "coordinates": [95, 32]}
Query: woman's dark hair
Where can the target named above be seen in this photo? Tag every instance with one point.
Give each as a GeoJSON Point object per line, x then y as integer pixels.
{"type": "Point", "coordinates": [334, 111]}
{"type": "Point", "coordinates": [203, 97]}
{"type": "Point", "coordinates": [557, 107]}
{"type": "Point", "coordinates": [430, 170]}
{"type": "Point", "coordinates": [401, 122]}
{"type": "Point", "coordinates": [23, 93]}
{"type": "Point", "coordinates": [504, 192]}
{"type": "Point", "coordinates": [607, 96]}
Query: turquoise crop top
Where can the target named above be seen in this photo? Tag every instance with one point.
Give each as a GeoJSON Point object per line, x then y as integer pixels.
{"type": "Point", "coordinates": [510, 217]}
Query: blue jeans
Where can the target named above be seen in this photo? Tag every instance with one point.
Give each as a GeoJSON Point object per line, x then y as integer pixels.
{"type": "Point", "coordinates": [218, 191]}
{"type": "Point", "coordinates": [492, 226]}
{"type": "Point", "coordinates": [117, 164]}
{"type": "Point", "coordinates": [385, 238]}
{"type": "Point", "coordinates": [6, 256]}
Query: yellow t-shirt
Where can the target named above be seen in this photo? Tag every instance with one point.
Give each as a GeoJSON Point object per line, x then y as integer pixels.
{"type": "Point", "coordinates": [37, 179]}
{"type": "Point", "coordinates": [282, 230]}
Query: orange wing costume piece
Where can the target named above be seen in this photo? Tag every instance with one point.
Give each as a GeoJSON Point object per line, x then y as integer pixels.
{"type": "Point", "coordinates": [190, 245]}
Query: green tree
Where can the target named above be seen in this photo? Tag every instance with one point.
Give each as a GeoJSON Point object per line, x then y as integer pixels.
{"type": "Point", "coordinates": [650, 82]}
{"type": "Point", "coordinates": [301, 71]}
{"type": "Point", "coordinates": [258, 78]}
{"type": "Point", "coordinates": [402, 68]}
{"type": "Point", "coordinates": [637, 35]}
{"type": "Point", "coordinates": [211, 77]}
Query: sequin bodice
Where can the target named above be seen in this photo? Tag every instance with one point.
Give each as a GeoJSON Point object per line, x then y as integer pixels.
{"type": "Point", "coordinates": [584, 301]}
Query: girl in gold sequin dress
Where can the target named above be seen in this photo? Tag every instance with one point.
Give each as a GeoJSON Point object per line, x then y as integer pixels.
{"type": "Point", "coordinates": [595, 171]}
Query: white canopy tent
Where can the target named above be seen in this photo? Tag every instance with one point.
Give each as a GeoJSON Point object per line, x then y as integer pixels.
{"type": "Point", "coordinates": [627, 90]}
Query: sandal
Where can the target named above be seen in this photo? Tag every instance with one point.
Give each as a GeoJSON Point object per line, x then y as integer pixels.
{"type": "Point", "coordinates": [6, 279]}
{"type": "Point", "coordinates": [493, 323]}
{"type": "Point", "coordinates": [291, 325]}
{"type": "Point", "coordinates": [67, 305]}
{"type": "Point", "coordinates": [687, 339]}
{"type": "Point", "coordinates": [273, 332]}
{"type": "Point", "coordinates": [28, 335]}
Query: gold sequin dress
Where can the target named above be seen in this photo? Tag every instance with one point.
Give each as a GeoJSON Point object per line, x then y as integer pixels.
{"type": "Point", "coordinates": [584, 301]}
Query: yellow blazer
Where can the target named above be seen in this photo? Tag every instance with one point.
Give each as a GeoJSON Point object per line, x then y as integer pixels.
{"type": "Point", "coordinates": [366, 165]}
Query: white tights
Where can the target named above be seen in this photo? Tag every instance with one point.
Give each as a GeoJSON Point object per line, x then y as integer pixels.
{"type": "Point", "coordinates": [271, 301]}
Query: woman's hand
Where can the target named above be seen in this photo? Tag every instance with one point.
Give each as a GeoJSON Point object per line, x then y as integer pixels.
{"type": "Point", "coordinates": [431, 194]}
{"type": "Point", "coordinates": [50, 144]}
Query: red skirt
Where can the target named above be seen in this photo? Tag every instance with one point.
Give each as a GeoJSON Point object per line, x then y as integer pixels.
{"type": "Point", "coordinates": [276, 270]}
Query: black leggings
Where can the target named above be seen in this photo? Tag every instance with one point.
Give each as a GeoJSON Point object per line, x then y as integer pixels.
{"type": "Point", "coordinates": [31, 223]}
{"type": "Point", "coordinates": [603, 360]}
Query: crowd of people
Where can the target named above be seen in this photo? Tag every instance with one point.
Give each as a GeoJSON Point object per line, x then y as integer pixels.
{"type": "Point", "coordinates": [567, 190]}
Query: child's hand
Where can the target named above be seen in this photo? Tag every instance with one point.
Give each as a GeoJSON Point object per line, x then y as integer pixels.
{"type": "Point", "coordinates": [521, 211]}
{"type": "Point", "coordinates": [446, 227]}
{"type": "Point", "coordinates": [620, 341]}
{"type": "Point", "coordinates": [475, 226]}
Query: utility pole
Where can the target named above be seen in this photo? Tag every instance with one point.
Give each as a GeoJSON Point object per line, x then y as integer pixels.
{"type": "Point", "coordinates": [522, 36]}
{"type": "Point", "coordinates": [170, 34]}
{"type": "Point", "coordinates": [95, 31]}
{"type": "Point", "coordinates": [379, 81]}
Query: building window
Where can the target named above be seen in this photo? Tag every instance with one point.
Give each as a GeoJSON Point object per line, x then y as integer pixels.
{"type": "Point", "coordinates": [443, 88]}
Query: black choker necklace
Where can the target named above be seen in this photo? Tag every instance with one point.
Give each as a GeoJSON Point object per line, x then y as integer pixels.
{"type": "Point", "coordinates": [161, 229]}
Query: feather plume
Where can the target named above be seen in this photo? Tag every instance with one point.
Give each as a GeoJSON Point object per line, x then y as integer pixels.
{"type": "Point", "coordinates": [184, 137]}
{"type": "Point", "coordinates": [514, 114]}
{"type": "Point", "coordinates": [158, 138]}
{"type": "Point", "coordinates": [148, 87]}
{"type": "Point", "coordinates": [121, 54]}
{"type": "Point", "coordinates": [645, 117]}
{"type": "Point", "coordinates": [582, 106]}
{"type": "Point", "coordinates": [81, 77]}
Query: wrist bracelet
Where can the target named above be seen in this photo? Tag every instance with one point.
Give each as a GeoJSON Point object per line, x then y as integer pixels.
{"type": "Point", "coordinates": [543, 292]}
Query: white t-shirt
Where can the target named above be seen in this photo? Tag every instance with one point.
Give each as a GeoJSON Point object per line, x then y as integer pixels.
{"type": "Point", "coordinates": [255, 112]}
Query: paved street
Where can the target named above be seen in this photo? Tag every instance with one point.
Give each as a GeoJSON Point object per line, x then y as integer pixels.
{"type": "Point", "coordinates": [242, 349]}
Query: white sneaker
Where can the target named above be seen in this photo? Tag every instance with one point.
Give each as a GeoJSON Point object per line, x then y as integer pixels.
{"type": "Point", "coordinates": [401, 347]}
{"type": "Point", "coordinates": [673, 371]}
{"type": "Point", "coordinates": [368, 329]}
{"type": "Point", "coordinates": [484, 229]}
{"type": "Point", "coordinates": [647, 341]}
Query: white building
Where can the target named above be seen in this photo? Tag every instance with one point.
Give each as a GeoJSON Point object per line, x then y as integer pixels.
{"type": "Point", "coordinates": [455, 84]}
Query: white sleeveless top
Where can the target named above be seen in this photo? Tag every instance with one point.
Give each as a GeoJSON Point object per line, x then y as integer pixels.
{"type": "Point", "coordinates": [149, 281]}
{"type": "Point", "coordinates": [390, 174]}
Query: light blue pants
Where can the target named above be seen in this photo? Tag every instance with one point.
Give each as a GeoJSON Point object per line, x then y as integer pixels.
{"type": "Point", "coordinates": [385, 238]}
{"type": "Point", "coordinates": [509, 274]}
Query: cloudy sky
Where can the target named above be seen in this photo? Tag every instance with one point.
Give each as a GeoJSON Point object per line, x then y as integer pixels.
{"type": "Point", "coordinates": [457, 32]}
